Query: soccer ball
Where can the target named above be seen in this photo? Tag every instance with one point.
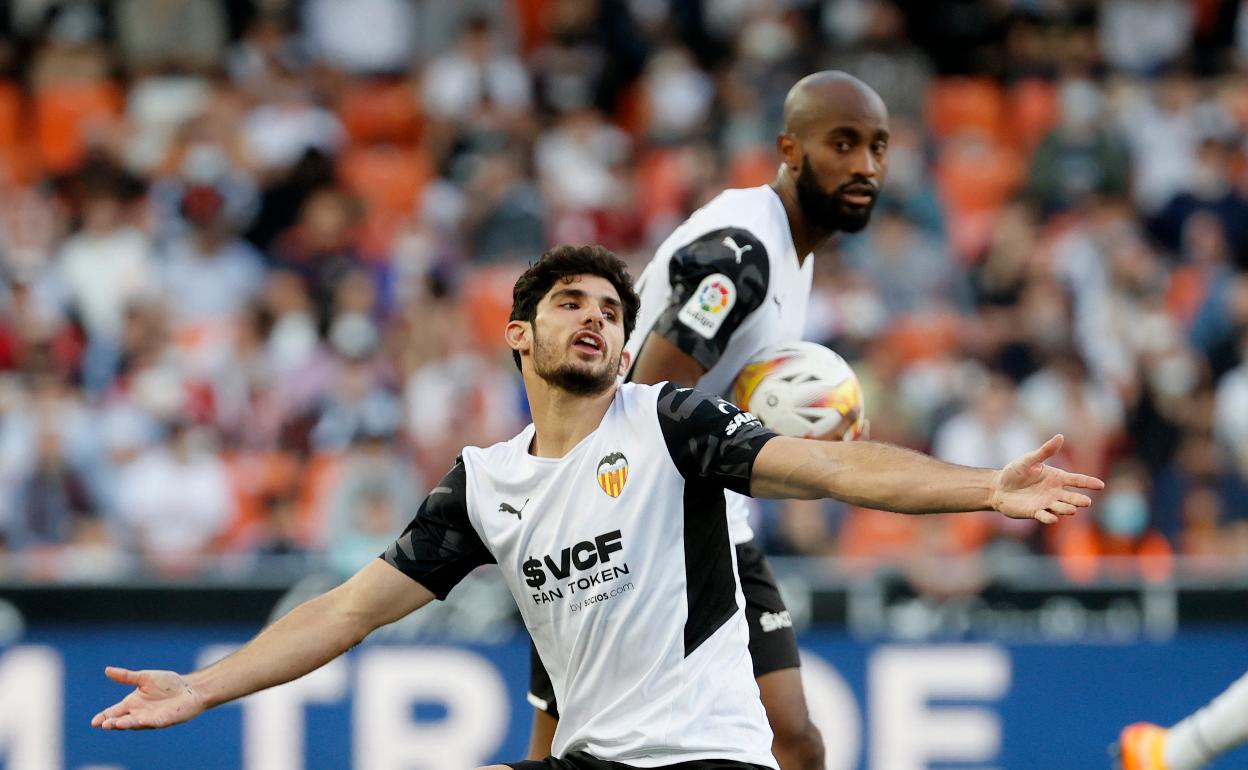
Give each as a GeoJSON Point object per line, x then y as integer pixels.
{"type": "Point", "coordinates": [802, 389]}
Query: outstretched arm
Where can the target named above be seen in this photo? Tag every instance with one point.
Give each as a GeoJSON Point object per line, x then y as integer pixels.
{"type": "Point", "coordinates": [896, 479]}
{"type": "Point", "coordinates": [301, 641]}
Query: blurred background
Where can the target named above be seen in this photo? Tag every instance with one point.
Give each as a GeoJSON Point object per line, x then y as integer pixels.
{"type": "Point", "coordinates": [255, 258]}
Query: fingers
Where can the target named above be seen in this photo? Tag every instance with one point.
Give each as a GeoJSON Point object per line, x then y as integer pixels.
{"type": "Point", "coordinates": [1081, 481]}
{"type": "Point", "coordinates": [128, 722]}
{"type": "Point", "coordinates": [122, 675]}
{"type": "Point", "coordinates": [1074, 498]}
{"type": "Point", "coordinates": [1045, 451]}
{"type": "Point", "coordinates": [1062, 509]}
{"type": "Point", "coordinates": [112, 712]}
{"type": "Point", "coordinates": [1045, 517]}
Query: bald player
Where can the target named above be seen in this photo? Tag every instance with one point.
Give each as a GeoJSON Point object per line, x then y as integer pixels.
{"type": "Point", "coordinates": [732, 279]}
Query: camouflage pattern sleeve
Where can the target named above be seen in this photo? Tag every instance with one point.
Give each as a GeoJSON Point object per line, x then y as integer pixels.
{"type": "Point", "coordinates": [709, 438]}
{"type": "Point", "coordinates": [440, 545]}
{"type": "Point", "coordinates": [717, 281]}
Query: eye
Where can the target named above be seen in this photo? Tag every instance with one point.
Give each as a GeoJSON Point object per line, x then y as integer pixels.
{"type": "Point", "coordinates": [609, 315]}
{"type": "Point", "coordinates": [569, 304]}
{"type": "Point", "coordinates": [879, 148]}
{"type": "Point", "coordinates": [841, 145]}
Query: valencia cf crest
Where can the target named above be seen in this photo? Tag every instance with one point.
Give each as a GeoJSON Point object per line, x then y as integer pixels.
{"type": "Point", "coordinates": [612, 473]}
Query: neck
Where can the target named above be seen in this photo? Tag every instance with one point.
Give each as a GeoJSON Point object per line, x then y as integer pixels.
{"type": "Point", "coordinates": [562, 419]}
{"type": "Point", "coordinates": [807, 236]}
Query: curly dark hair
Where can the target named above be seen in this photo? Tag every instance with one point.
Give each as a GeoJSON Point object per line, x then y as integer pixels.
{"type": "Point", "coordinates": [564, 263]}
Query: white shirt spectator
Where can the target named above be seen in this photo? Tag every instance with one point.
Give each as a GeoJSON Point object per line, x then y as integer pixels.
{"type": "Point", "coordinates": [361, 36]}
{"type": "Point", "coordinates": [175, 502]}
{"type": "Point", "coordinates": [455, 85]}
{"type": "Point", "coordinates": [103, 273]}
{"type": "Point", "coordinates": [277, 135]}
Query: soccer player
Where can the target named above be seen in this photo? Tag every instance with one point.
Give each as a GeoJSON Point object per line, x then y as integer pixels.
{"type": "Point", "coordinates": [731, 280]}
{"type": "Point", "coordinates": [606, 518]}
{"type": "Point", "coordinates": [1215, 729]}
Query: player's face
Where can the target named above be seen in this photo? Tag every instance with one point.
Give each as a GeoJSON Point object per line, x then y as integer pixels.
{"type": "Point", "coordinates": [578, 335]}
{"type": "Point", "coordinates": [843, 167]}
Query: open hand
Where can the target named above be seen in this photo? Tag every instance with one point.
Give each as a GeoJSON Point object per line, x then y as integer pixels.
{"type": "Point", "coordinates": [1029, 489]}
{"type": "Point", "coordinates": [160, 699]}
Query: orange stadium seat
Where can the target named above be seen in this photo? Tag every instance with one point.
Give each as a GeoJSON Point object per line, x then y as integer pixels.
{"type": "Point", "coordinates": [1033, 112]}
{"type": "Point", "coordinates": [255, 476]}
{"type": "Point", "coordinates": [11, 140]}
{"type": "Point", "coordinates": [377, 111]}
{"type": "Point", "coordinates": [661, 183]}
{"type": "Point", "coordinates": [753, 167]}
{"type": "Point", "coordinates": [486, 298]}
{"type": "Point", "coordinates": [959, 104]}
{"type": "Point", "coordinates": [386, 177]}
{"type": "Point", "coordinates": [64, 115]}
{"type": "Point", "coordinates": [975, 177]}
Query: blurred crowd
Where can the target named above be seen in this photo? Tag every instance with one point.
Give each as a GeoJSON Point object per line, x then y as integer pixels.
{"type": "Point", "coordinates": [255, 256]}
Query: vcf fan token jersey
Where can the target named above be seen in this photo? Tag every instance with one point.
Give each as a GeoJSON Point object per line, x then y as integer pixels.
{"type": "Point", "coordinates": [619, 558]}
{"type": "Point", "coordinates": [726, 284]}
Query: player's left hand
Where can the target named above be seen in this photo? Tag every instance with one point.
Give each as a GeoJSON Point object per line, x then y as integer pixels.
{"type": "Point", "coordinates": [1027, 488]}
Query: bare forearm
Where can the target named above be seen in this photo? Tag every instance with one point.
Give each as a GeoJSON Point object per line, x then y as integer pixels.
{"type": "Point", "coordinates": [313, 633]}
{"type": "Point", "coordinates": [299, 642]}
{"type": "Point", "coordinates": [869, 474]}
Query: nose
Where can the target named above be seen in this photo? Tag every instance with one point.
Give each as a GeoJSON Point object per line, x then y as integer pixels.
{"type": "Point", "coordinates": [865, 164]}
{"type": "Point", "coordinates": [594, 317]}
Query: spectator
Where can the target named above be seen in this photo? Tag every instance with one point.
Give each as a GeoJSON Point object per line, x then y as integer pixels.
{"type": "Point", "coordinates": [174, 500]}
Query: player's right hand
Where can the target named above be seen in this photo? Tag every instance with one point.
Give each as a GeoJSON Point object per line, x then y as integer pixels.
{"type": "Point", "coordinates": [160, 699]}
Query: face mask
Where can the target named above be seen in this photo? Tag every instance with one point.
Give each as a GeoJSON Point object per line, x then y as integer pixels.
{"type": "Point", "coordinates": [1124, 514]}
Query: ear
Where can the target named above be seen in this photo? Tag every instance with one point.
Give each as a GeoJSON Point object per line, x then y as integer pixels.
{"type": "Point", "coordinates": [519, 336]}
{"type": "Point", "coordinates": [790, 149]}
{"type": "Point", "coordinates": [626, 358]}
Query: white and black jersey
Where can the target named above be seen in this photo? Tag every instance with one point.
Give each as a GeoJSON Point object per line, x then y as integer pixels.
{"type": "Point", "coordinates": [619, 557]}
{"type": "Point", "coordinates": [726, 284]}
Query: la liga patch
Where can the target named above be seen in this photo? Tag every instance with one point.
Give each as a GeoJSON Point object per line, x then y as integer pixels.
{"type": "Point", "coordinates": [710, 305]}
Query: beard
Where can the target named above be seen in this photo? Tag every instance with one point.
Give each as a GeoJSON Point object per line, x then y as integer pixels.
{"type": "Point", "coordinates": [577, 378]}
{"type": "Point", "coordinates": [826, 209]}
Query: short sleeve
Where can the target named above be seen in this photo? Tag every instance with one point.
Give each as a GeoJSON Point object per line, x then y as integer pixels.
{"type": "Point", "coordinates": [709, 438]}
{"type": "Point", "coordinates": [717, 281]}
{"type": "Point", "coordinates": [440, 545]}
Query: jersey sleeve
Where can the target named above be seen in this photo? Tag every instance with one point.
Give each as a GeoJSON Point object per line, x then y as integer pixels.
{"type": "Point", "coordinates": [440, 545]}
{"type": "Point", "coordinates": [717, 281]}
{"type": "Point", "coordinates": [709, 438]}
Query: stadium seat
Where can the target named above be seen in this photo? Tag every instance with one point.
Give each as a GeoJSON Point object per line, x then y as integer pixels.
{"type": "Point", "coordinates": [958, 104]}
{"type": "Point", "coordinates": [389, 181]}
{"type": "Point", "coordinates": [1033, 111]}
{"type": "Point", "coordinates": [662, 185]}
{"type": "Point", "coordinates": [753, 167]}
{"type": "Point", "coordinates": [13, 163]}
{"type": "Point", "coordinates": [385, 177]}
{"type": "Point", "coordinates": [64, 115]}
{"type": "Point", "coordinates": [975, 176]}
{"type": "Point", "coordinates": [380, 111]}
{"type": "Point", "coordinates": [486, 297]}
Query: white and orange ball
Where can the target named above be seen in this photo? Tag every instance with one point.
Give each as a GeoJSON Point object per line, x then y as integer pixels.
{"type": "Point", "coordinates": [802, 389]}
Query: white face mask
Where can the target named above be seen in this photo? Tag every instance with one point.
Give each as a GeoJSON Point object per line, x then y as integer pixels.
{"type": "Point", "coordinates": [1124, 513]}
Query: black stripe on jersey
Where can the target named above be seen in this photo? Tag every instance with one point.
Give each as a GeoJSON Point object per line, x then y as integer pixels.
{"type": "Point", "coordinates": [709, 438]}
{"type": "Point", "coordinates": [731, 252]}
{"type": "Point", "coordinates": [713, 444]}
{"type": "Point", "coordinates": [440, 545]}
{"type": "Point", "coordinates": [710, 581]}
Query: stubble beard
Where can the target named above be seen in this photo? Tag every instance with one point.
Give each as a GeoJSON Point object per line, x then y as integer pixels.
{"type": "Point", "coordinates": [579, 380]}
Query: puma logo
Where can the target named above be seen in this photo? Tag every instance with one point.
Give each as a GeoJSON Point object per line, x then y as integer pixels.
{"type": "Point", "coordinates": [738, 250]}
{"type": "Point", "coordinates": [506, 508]}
